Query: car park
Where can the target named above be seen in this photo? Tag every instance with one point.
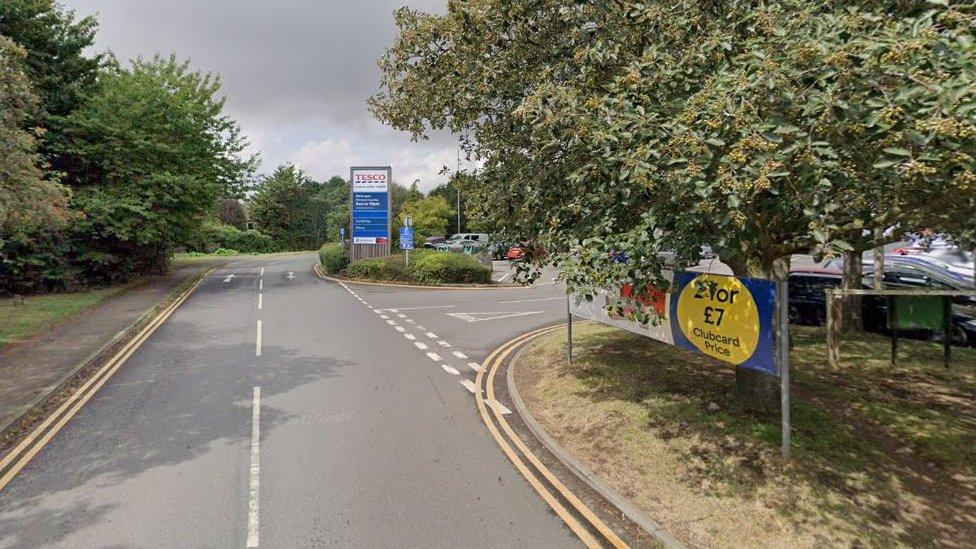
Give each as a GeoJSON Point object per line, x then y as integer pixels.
{"type": "Point", "coordinates": [458, 242]}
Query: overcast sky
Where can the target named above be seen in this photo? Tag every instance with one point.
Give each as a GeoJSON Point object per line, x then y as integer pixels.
{"type": "Point", "coordinates": [296, 74]}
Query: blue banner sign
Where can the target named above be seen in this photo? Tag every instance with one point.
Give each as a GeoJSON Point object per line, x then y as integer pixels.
{"type": "Point", "coordinates": [725, 317]}
{"type": "Point", "coordinates": [370, 206]}
{"type": "Point", "coordinates": [406, 238]}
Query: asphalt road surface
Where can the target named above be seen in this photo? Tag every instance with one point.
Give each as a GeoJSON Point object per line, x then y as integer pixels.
{"type": "Point", "coordinates": [276, 409]}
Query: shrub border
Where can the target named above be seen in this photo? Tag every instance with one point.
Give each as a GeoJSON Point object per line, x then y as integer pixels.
{"type": "Point", "coordinates": [343, 280]}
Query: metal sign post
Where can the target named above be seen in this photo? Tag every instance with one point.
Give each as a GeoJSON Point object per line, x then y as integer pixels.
{"type": "Point", "coordinates": [406, 238]}
{"type": "Point", "coordinates": [781, 274]}
{"type": "Point", "coordinates": [569, 330]}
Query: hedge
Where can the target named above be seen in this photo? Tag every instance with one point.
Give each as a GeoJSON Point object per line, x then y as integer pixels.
{"type": "Point", "coordinates": [426, 267]}
{"type": "Point", "coordinates": [334, 258]}
{"type": "Point", "coordinates": [212, 236]}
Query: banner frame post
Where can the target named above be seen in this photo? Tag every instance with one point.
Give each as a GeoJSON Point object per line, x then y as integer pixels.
{"type": "Point", "coordinates": [782, 295]}
{"type": "Point", "coordinates": [569, 330]}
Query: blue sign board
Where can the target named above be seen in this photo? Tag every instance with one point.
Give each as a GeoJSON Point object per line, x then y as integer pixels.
{"type": "Point", "coordinates": [342, 233]}
{"type": "Point", "coordinates": [370, 206]}
{"type": "Point", "coordinates": [406, 238]}
{"type": "Point", "coordinates": [725, 317]}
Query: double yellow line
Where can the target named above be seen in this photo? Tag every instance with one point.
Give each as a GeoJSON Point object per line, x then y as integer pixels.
{"type": "Point", "coordinates": [24, 452]}
{"type": "Point", "coordinates": [493, 362]}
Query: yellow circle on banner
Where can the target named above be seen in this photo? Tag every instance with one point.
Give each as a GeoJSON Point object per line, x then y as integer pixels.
{"type": "Point", "coordinates": [718, 315]}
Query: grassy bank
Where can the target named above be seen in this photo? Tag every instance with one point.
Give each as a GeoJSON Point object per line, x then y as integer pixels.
{"type": "Point", "coordinates": [882, 455]}
{"type": "Point", "coordinates": [20, 318]}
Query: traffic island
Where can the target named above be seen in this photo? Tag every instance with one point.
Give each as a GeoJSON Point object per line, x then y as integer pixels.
{"type": "Point", "coordinates": [881, 455]}
{"type": "Point", "coordinates": [421, 269]}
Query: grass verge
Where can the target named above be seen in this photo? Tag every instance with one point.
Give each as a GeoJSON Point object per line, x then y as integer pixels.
{"type": "Point", "coordinates": [882, 455]}
{"type": "Point", "coordinates": [22, 317]}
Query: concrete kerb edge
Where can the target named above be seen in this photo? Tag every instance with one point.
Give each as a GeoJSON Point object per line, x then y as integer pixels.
{"type": "Point", "coordinates": [625, 507]}
{"type": "Point", "coordinates": [127, 333]}
{"type": "Point", "coordinates": [322, 275]}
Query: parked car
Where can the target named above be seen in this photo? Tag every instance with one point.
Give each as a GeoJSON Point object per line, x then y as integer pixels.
{"type": "Point", "coordinates": [515, 251]}
{"type": "Point", "coordinates": [431, 242]}
{"type": "Point", "coordinates": [808, 299]}
{"type": "Point", "coordinates": [458, 241]}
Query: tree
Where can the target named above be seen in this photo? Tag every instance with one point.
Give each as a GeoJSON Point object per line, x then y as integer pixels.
{"type": "Point", "coordinates": [231, 212]}
{"type": "Point", "coordinates": [431, 216]}
{"type": "Point", "coordinates": [29, 199]}
{"type": "Point", "coordinates": [334, 197]}
{"type": "Point", "coordinates": [147, 155]}
{"type": "Point", "coordinates": [642, 126]}
{"type": "Point", "coordinates": [288, 206]}
{"type": "Point", "coordinates": [59, 70]}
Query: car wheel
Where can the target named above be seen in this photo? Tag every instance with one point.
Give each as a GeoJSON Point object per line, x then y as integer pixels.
{"type": "Point", "coordinates": [960, 337]}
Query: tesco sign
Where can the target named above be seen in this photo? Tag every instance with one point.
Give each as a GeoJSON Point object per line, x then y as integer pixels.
{"type": "Point", "coordinates": [369, 181]}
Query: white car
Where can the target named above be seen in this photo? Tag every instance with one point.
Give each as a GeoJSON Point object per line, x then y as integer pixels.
{"type": "Point", "coordinates": [458, 241]}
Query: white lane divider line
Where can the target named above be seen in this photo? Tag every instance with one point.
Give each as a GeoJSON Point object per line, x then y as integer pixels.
{"type": "Point", "coordinates": [260, 284]}
{"type": "Point", "coordinates": [401, 315]}
{"type": "Point", "coordinates": [444, 344]}
{"type": "Point", "coordinates": [262, 271]}
{"type": "Point", "coordinates": [411, 321]}
{"type": "Point", "coordinates": [384, 317]}
{"type": "Point", "coordinates": [411, 337]}
{"type": "Point", "coordinates": [379, 312]}
{"type": "Point", "coordinates": [400, 329]}
{"type": "Point", "coordinates": [421, 346]}
{"type": "Point", "coordinates": [459, 354]}
{"type": "Point", "coordinates": [400, 309]}
{"type": "Point", "coordinates": [254, 495]}
{"type": "Point", "coordinates": [450, 370]}
{"type": "Point", "coordinates": [499, 407]}
{"type": "Point", "coordinates": [434, 356]}
{"type": "Point", "coordinates": [431, 335]}
{"type": "Point", "coordinates": [469, 385]}
{"type": "Point", "coordinates": [421, 328]}
{"type": "Point", "coordinates": [391, 322]}
{"type": "Point", "coordinates": [474, 366]}
{"type": "Point", "coordinates": [260, 301]}
{"type": "Point", "coordinates": [257, 343]}
{"type": "Point", "coordinates": [532, 300]}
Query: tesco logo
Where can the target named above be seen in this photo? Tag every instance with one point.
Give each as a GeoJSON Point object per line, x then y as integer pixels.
{"type": "Point", "coordinates": [370, 177]}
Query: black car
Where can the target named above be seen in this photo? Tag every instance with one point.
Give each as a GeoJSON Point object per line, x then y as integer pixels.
{"type": "Point", "coordinates": [808, 298]}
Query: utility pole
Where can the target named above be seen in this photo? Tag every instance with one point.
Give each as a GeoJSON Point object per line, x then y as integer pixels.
{"type": "Point", "coordinates": [457, 186]}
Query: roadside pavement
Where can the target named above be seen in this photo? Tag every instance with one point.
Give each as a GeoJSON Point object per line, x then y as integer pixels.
{"type": "Point", "coordinates": [30, 369]}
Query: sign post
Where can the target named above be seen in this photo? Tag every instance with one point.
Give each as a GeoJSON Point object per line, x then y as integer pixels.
{"type": "Point", "coordinates": [406, 238]}
{"type": "Point", "coordinates": [370, 211]}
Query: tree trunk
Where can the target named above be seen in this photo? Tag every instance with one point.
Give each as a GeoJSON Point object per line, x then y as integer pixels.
{"type": "Point", "coordinates": [758, 391]}
{"type": "Point", "coordinates": [878, 260]}
{"type": "Point", "coordinates": [850, 307]}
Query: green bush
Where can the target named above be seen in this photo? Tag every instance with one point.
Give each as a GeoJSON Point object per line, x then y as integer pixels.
{"type": "Point", "coordinates": [449, 268]}
{"type": "Point", "coordinates": [334, 258]}
{"type": "Point", "coordinates": [212, 236]}
{"type": "Point", "coordinates": [426, 267]}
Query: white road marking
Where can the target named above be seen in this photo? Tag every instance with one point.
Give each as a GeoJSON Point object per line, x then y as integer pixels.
{"type": "Point", "coordinates": [431, 335]}
{"type": "Point", "coordinates": [474, 366]}
{"type": "Point", "coordinates": [254, 495]}
{"type": "Point", "coordinates": [290, 275]}
{"type": "Point", "coordinates": [401, 315]}
{"type": "Point", "coordinates": [539, 299]}
{"type": "Point", "coordinates": [400, 329]}
{"type": "Point", "coordinates": [257, 344]}
{"type": "Point", "coordinates": [504, 276]}
{"type": "Point", "coordinates": [421, 346]}
{"type": "Point", "coordinates": [411, 337]}
{"type": "Point", "coordinates": [459, 354]}
{"type": "Point", "coordinates": [379, 312]}
{"type": "Point", "coordinates": [481, 317]}
{"type": "Point", "coordinates": [411, 321]}
{"type": "Point", "coordinates": [450, 370]}
{"type": "Point", "coordinates": [391, 322]}
{"type": "Point", "coordinates": [260, 301]}
{"type": "Point", "coordinates": [262, 271]}
{"type": "Point", "coordinates": [434, 356]}
{"type": "Point", "coordinates": [228, 278]}
{"type": "Point", "coordinates": [384, 317]}
{"type": "Point", "coordinates": [469, 386]}
{"type": "Point", "coordinates": [444, 344]}
{"type": "Point", "coordinates": [421, 328]}
{"type": "Point", "coordinates": [499, 407]}
{"type": "Point", "coordinates": [260, 284]}
{"type": "Point", "coordinates": [398, 309]}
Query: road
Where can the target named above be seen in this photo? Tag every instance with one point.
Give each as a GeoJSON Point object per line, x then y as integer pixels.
{"type": "Point", "coordinates": [276, 409]}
